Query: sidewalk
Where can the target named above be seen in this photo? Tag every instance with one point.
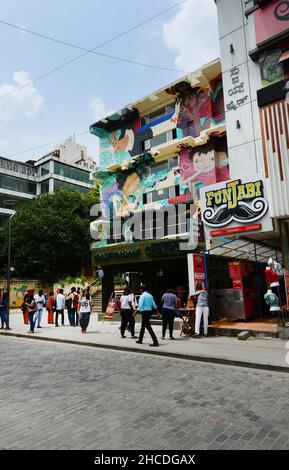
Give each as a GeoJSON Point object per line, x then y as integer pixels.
{"type": "Point", "coordinates": [267, 354]}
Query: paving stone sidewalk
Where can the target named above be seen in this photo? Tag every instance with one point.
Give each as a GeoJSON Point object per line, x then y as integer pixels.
{"type": "Point", "coordinates": [63, 396]}
{"type": "Point", "coordinates": [264, 352]}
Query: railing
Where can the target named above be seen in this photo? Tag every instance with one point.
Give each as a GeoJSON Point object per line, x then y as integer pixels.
{"type": "Point", "coordinates": [18, 167]}
{"type": "Point", "coordinates": [196, 129]}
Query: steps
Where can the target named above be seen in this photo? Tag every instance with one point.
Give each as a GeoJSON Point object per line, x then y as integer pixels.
{"type": "Point", "coordinates": [97, 302]}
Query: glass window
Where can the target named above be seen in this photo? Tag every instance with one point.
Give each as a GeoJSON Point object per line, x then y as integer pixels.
{"type": "Point", "coordinates": [45, 187]}
{"type": "Point", "coordinates": [17, 184]}
{"type": "Point", "coordinates": [71, 172]}
{"type": "Point", "coordinates": [160, 194]}
{"type": "Point", "coordinates": [157, 140]}
{"type": "Point", "coordinates": [44, 169]}
{"type": "Point", "coordinates": [60, 184]}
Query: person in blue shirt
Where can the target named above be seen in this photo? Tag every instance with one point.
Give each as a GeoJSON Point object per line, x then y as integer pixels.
{"type": "Point", "coordinates": [3, 312]}
{"type": "Point", "coordinates": [146, 306]}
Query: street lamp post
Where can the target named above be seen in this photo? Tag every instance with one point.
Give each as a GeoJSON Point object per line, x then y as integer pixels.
{"type": "Point", "coordinates": [11, 214]}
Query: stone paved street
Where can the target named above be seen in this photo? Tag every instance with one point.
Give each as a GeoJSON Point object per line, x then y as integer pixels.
{"type": "Point", "coordinates": [57, 396]}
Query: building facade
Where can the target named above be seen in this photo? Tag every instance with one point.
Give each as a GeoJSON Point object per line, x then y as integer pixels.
{"type": "Point", "coordinates": [67, 165]}
{"type": "Point", "coordinates": [254, 44]}
{"type": "Point", "coordinates": [155, 155]}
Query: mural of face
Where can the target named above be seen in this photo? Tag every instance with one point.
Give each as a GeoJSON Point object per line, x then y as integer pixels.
{"type": "Point", "coordinates": [222, 166]}
{"type": "Point", "coordinates": [204, 162]}
{"type": "Point", "coordinates": [131, 184]}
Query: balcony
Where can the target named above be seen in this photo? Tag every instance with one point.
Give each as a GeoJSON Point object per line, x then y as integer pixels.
{"type": "Point", "coordinates": [18, 167]}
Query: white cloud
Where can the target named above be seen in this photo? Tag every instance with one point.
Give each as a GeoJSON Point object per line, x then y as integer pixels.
{"type": "Point", "coordinates": [98, 109]}
{"type": "Point", "coordinates": [193, 34]}
{"type": "Point", "coordinates": [24, 103]}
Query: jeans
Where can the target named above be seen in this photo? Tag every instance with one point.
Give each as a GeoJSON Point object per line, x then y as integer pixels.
{"type": "Point", "coordinates": [59, 312]}
{"type": "Point", "coordinates": [38, 316]}
{"type": "Point", "coordinates": [31, 316]}
{"type": "Point", "coordinates": [127, 318]}
{"type": "Point", "coordinates": [146, 324]}
{"type": "Point", "coordinates": [168, 316]}
{"type": "Point", "coordinates": [84, 318]}
{"type": "Point", "coordinates": [199, 312]}
{"type": "Point", "coordinates": [71, 316]}
{"type": "Point", "coordinates": [3, 316]}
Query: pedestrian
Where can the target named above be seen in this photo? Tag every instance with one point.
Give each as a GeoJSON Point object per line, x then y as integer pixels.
{"type": "Point", "coordinates": [146, 306]}
{"type": "Point", "coordinates": [59, 307]}
{"type": "Point", "coordinates": [202, 309]}
{"type": "Point", "coordinates": [24, 309]}
{"type": "Point", "coordinates": [75, 302]}
{"type": "Point", "coordinates": [4, 312]}
{"type": "Point", "coordinates": [127, 309]}
{"type": "Point", "coordinates": [32, 309]}
{"type": "Point", "coordinates": [170, 305]}
{"type": "Point", "coordinates": [40, 304]}
{"type": "Point", "coordinates": [49, 308]}
{"type": "Point", "coordinates": [84, 309]}
{"type": "Point", "coordinates": [69, 306]}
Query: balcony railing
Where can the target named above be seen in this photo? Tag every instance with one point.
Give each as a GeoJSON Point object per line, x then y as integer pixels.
{"type": "Point", "coordinates": [195, 130]}
{"type": "Point", "coordinates": [18, 167]}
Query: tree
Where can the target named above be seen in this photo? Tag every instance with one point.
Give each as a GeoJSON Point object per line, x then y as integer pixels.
{"type": "Point", "coordinates": [50, 235]}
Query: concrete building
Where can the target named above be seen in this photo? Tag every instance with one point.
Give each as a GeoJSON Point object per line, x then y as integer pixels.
{"type": "Point", "coordinates": [66, 165]}
{"type": "Point", "coordinates": [155, 155]}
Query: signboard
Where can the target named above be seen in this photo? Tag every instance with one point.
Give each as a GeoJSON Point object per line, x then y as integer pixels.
{"type": "Point", "coordinates": [234, 207]}
{"type": "Point", "coordinates": [271, 21]}
{"type": "Point", "coordinates": [196, 270]}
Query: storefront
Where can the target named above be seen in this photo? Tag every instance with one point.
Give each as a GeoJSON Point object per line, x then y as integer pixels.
{"type": "Point", "coordinates": [243, 249]}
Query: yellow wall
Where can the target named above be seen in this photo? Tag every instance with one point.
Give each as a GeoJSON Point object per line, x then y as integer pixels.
{"type": "Point", "coordinates": [19, 288]}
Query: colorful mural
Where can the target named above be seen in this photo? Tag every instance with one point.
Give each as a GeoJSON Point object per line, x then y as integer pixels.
{"type": "Point", "coordinates": [205, 164]}
{"type": "Point", "coordinates": [196, 108]}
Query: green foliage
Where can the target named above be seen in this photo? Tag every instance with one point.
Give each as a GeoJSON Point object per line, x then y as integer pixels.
{"type": "Point", "coordinates": [50, 235]}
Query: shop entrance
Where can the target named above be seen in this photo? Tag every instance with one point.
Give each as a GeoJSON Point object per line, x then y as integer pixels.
{"type": "Point", "coordinates": [236, 279]}
{"type": "Point", "coordinates": [158, 275]}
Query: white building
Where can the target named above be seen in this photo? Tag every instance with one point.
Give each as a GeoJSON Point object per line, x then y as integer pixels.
{"type": "Point", "coordinates": [67, 165]}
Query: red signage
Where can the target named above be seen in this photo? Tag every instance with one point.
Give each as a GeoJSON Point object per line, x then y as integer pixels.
{"type": "Point", "coordinates": [235, 269]}
{"type": "Point", "coordinates": [228, 231]}
{"type": "Point", "coordinates": [271, 21]}
{"type": "Point", "coordinates": [199, 269]}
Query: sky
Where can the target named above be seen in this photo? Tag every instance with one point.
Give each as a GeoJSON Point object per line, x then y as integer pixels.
{"type": "Point", "coordinates": [66, 102]}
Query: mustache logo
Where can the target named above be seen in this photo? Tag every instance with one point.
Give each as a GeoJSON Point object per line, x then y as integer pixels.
{"type": "Point", "coordinates": [282, 11]}
{"type": "Point", "coordinates": [243, 213]}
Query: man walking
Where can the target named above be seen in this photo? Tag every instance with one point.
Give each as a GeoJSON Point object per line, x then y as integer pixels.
{"type": "Point", "coordinates": [146, 306]}
{"type": "Point", "coordinates": [59, 304]}
{"type": "Point", "coordinates": [40, 303]}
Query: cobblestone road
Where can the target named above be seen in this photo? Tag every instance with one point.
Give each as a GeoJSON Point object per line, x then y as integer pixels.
{"type": "Point", "coordinates": [57, 396]}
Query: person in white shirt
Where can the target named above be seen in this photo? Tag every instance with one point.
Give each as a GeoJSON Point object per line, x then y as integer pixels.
{"type": "Point", "coordinates": [40, 304]}
{"type": "Point", "coordinates": [59, 307]}
{"type": "Point", "coordinates": [127, 308]}
{"type": "Point", "coordinates": [84, 309]}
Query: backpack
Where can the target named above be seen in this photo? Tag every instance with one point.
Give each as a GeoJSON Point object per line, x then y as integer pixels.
{"type": "Point", "coordinates": [75, 301]}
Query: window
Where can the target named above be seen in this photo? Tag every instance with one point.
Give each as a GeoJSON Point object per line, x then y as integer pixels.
{"type": "Point", "coordinates": [44, 169]}
{"type": "Point", "coordinates": [60, 184]}
{"type": "Point", "coordinates": [17, 184]}
{"type": "Point", "coordinates": [160, 113]}
{"type": "Point", "coordinates": [45, 187]}
{"type": "Point", "coordinates": [157, 140]}
{"type": "Point", "coordinates": [71, 172]}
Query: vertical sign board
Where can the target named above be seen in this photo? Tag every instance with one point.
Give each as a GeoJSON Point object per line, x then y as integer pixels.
{"type": "Point", "coordinates": [196, 270]}
{"type": "Point", "coordinates": [286, 279]}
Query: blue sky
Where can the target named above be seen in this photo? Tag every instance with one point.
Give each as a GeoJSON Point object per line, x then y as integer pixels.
{"type": "Point", "coordinates": [69, 100]}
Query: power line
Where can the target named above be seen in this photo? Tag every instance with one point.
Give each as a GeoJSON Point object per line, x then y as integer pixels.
{"type": "Point", "coordinates": [92, 51]}
{"type": "Point", "coordinates": [44, 145]}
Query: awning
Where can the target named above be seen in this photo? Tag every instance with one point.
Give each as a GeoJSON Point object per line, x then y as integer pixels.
{"type": "Point", "coordinates": [247, 250]}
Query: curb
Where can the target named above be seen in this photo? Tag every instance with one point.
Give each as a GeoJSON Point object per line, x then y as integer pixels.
{"type": "Point", "coordinates": [187, 357]}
